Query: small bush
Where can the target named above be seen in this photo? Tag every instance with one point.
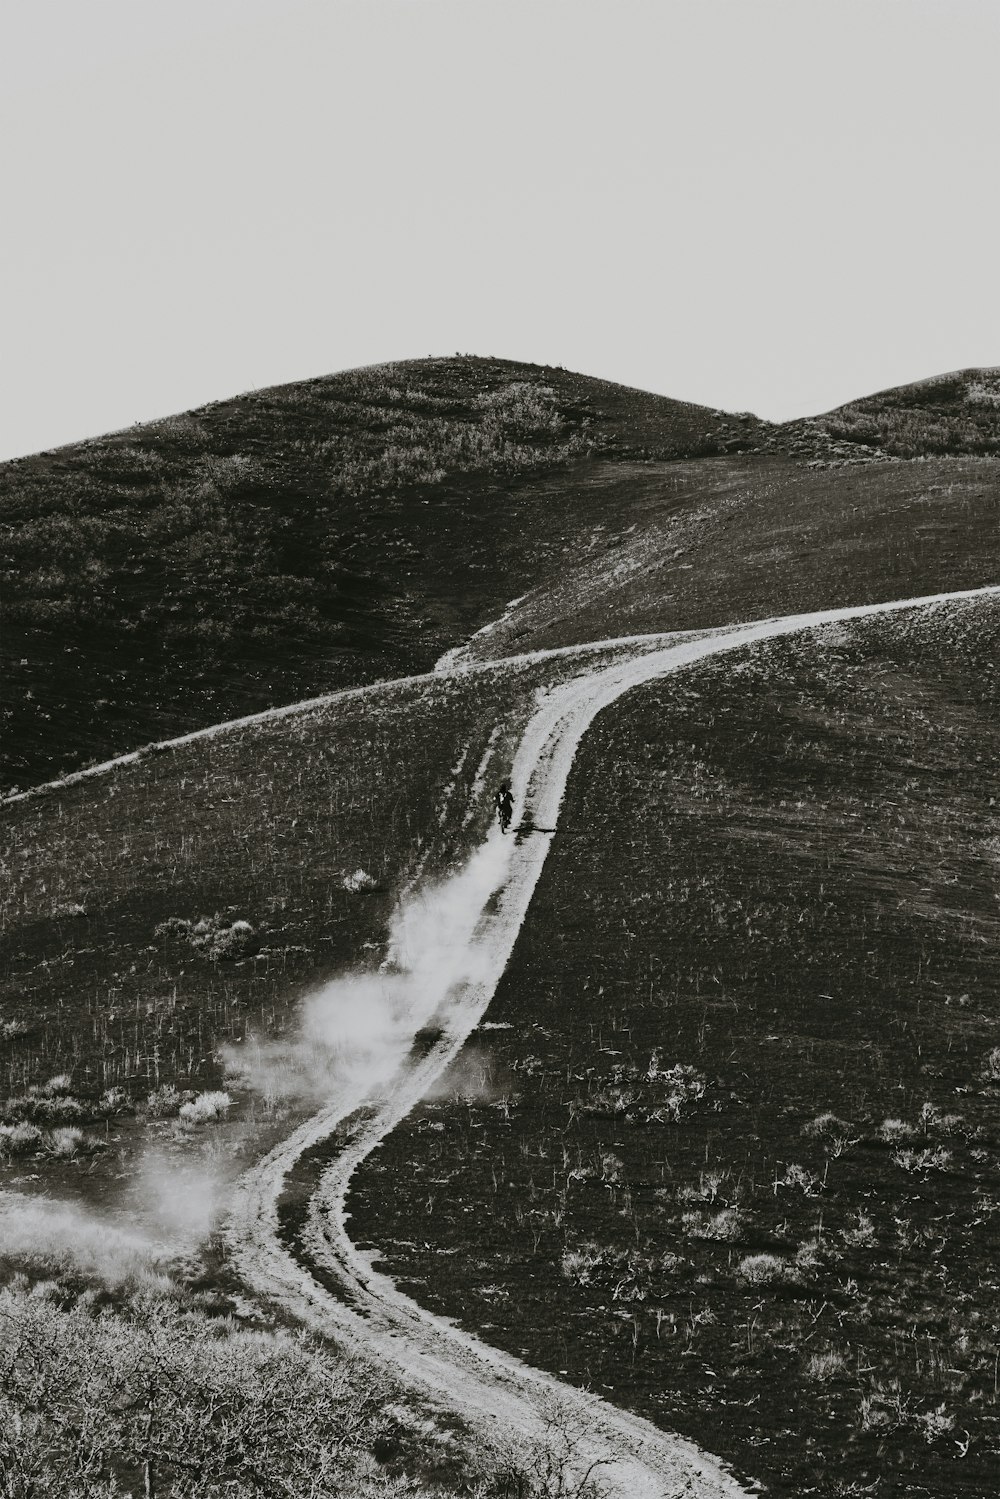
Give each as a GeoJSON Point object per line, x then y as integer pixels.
{"type": "Point", "coordinates": [824, 1366]}
{"type": "Point", "coordinates": [726, 1226]}
{"type": "Point", "coordinates": [764, 1269]}
{"type": "Point", "coordinates": [991, 1071]}
{"type": "Point", "coordinates": [115, 1101]}
{"type": "Point", "coordinates": [934, 1158]}
{"type": "Point", "coordinates": [799, 1177]}
{"type": "Point", "coordinates": [935, 1424]}
{"type": "Point", "coordinates": [213, 936]}
{"type": "Point", "coordinates": [581, 1265]}
{"type": "Point", "coordinates": [836, 1135]}
{"type": "Point", "coordinates": [205, 1108]}
{"type": "Point", "coordinates": [20, 1139]}
{"type": "Point", "coordinates": [862, 1235]}
{"type": "Point", "coordinates": [892, 1131]}
{"type": "Point", "coordinates": [66, 1143]}
{"type": "Point", "coordinates": [165, 1102]}
{"type": "Point", "coordinates": [38, 1106]}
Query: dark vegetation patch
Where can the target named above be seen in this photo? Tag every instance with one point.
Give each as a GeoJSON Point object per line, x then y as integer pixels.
{"type": "Point", "coordinates": [736, 1161]}
{"type": "Point", "coordinates": [297, 540]}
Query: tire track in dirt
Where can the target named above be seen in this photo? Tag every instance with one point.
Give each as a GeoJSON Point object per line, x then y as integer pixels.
{"type": "Point", "coordinates": [502, 1399]}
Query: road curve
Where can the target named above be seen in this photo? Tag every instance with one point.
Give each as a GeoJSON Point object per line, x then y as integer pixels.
{"type": "Point", "coordinates": [502, 1399]}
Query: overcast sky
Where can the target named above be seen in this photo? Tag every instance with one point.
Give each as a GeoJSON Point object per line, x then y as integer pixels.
{"type": "Point", "coordinates": [767, 205]}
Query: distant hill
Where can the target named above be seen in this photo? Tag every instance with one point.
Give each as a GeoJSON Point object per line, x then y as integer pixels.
{"type": "Point", "coordinates": [296, 540]}
{"type": "Point", "coordinates": [955, 415]}
{"type": "Point", "coordinates": [324, 534]}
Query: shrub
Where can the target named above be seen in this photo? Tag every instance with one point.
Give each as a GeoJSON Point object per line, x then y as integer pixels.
{"type": "Point", "coordinates": [41, 1107]}
{"type": "Point", "coordinates": [934, 1424]}
{"type": "Point", "coordinates": [213, 936]}
{"type": "Point", "coordinates": [206, 1107]}
{"type": "Point", "coordinates": [164, 1102]}
{"type": "Point", "coordinates": [20, 1139]}
{"type": "Point", "coordinates": [764, 1269]}
{"type": "Point", "coordinates": [806, 1181]}
{"type": "Point", "coordinates": [824, 1366]}
{"type": "Point", "coordinates": [891, 1131]}
{"type": "Point", "coordinates": [66, 1143]}
{"type": "Point", "coordinates": [115, 1101]}
{"type": "Point", "coordinates": [836, 1135]}
{"type": "Point", "coordinates": [934, 1158]}
{"type": "Point", "coordinates": [991, 1071]}
{"type": "Point", "coordinates": [725, 1226]}
{"type": "Point", "coordinates": [862, 1235]}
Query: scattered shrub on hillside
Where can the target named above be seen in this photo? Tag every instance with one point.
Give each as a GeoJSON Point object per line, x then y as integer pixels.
{"type": "Point", "coordinates": [934, 1158]}
{"type": "Point", "coordinates": [709, 1187]}
{"type": "Point", "coordinates": [164, 1102]}
{"type": "Point", "coordinates": [825, 1366]}
{"type": "Point", "coordinates": [206, 1107]}
{"type": "Point", "coordinates": [20, 1139]}
{"type": "Point", "coordinates": [115, 1101]}
{"type": "Point", "coordinates": [765, 1269]}
{"type": "Point", "coordinates": [726, 1226]}
{"type": "Point", "coordinates": [65, 1143]}
{"type": "Point", "coordinates": [213, 936]}
{"type": "Point", "coordinates": [629, 1273]}
{"type": "Point", "coordinates": [806, 1182]}
{"type": "Point", "coordinates": [991, 1071]}
{"type": "Point", "coordinates": [358, 881]}
{"type": "Point", "coordinates": [11, 1028]}
{"type": "Point", "coordinates": [39, 1106]}
{"type": "Point", "coordinates": [834, 1134]}
{"type": "Point", "coordinates": [862, 1235]}
{"type": "Point", "coordinates": [892, 1131]}
{"type": "Point", "coordinates": [934, 1424]}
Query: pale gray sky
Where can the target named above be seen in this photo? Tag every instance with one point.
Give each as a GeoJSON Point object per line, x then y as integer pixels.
{"type": "Point", "coordinates": [771, 205]}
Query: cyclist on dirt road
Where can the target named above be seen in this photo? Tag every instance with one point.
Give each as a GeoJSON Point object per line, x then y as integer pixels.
{"type": "Point", "coordinates": [504, 802]}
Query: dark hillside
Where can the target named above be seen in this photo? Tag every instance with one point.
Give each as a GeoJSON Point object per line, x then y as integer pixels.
{"type": "Point", "coordinates": [954, 414]}
{"type": "Point", "coordinates": [732, 1152]}
{"type": "Point", "coordinates": [299, 539]}
{"type": "Point", "coordinates": [739, 538]}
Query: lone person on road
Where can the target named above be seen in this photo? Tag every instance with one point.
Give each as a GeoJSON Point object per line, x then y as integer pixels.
{"type": "Point", "coordinates": [504, 802]}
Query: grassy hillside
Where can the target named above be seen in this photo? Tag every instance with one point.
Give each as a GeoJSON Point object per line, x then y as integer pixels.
{"type": "Point", "coordinates": [728, 1147]}
{"type": "Point", "coordinates": [297, 540]}
{"type": "Point", "coordinates": [740, 538]}
{"type": "Point", "coordinates": [957, 414]}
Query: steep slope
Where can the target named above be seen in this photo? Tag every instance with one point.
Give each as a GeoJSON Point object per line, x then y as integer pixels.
{"type": "Point", "coordinates": [300, 539]}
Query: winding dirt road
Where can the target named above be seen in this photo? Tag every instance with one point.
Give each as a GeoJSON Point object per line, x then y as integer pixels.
{"type": "Point", "coordinates": [501, 1398]}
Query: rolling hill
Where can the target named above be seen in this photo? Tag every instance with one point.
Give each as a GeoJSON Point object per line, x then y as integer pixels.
{"type": "Point", "coordinates": [348, 529]}
{"type": "Point", "coordinates": [723, 1148]}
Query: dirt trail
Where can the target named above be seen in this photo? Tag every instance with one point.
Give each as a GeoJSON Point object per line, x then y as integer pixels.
{"type": "Point", "coordinates": [500, 1397]}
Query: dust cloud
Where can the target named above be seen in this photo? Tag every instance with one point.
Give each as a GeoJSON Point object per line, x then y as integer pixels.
{"type": "Point", "coordinates": [355, 1032]}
